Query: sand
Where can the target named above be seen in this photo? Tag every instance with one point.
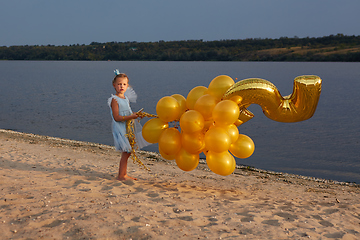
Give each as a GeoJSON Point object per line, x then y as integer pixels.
{"type": "Point", "coordinates": [60, 189]}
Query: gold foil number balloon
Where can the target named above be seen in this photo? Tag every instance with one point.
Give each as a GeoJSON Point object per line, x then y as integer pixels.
{"type": "Point", "coordinates": [298, 106]}
{"type": "Point", "coordinates": [168, 109]}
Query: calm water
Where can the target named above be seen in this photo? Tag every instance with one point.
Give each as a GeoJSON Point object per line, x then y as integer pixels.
{"type": "Point", "coordinates": [68, 100]}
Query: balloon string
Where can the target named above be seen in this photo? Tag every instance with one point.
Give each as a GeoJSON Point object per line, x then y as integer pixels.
{"type": "Point", "coordinates": [142, 114]}
{"type": "Point", "coordinates": [130, 133]}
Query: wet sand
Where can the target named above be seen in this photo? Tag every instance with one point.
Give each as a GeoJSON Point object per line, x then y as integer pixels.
{"type": "Point", "coordinates": [61, 189]}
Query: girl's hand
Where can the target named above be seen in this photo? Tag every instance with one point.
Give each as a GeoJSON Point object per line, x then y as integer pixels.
{"type": "Point", "coordinates": [134, 116]}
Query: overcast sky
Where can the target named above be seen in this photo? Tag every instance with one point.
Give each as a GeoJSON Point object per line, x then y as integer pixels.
{"type": "Point", "coordinates": [67, 22]}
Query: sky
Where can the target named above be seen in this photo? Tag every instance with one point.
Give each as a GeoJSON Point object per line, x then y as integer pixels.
{"type": "Point", "coordinates": [68, 22]}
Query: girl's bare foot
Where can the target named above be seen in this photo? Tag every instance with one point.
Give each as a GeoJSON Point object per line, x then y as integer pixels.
{"type": "Point", "coordinates": [126, 177]}
{"type": "Point", "coordinates": [131, 177]}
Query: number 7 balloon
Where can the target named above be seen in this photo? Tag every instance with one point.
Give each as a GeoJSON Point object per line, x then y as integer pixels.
{"type": "Point", "coordinates": [298, 106]}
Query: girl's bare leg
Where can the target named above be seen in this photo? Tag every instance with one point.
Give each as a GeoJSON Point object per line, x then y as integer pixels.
{"type": "Point", "coordinates": [123, 167]}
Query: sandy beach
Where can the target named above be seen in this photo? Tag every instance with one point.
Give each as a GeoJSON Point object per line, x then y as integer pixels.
{"type": "Point", "coordinates": [61, 189]}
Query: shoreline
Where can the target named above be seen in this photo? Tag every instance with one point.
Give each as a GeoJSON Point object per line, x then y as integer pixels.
{"type": "Point", "coordinates": [35, 138]}
{"type": "Point", "coordinates": [56, 188]}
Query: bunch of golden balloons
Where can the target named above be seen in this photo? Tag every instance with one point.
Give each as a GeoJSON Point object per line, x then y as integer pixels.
{"type": "Point", "coordinates": [208, 124]}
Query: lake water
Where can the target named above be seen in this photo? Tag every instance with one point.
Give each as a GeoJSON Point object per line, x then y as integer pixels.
{"type": "Point", "coordinates": [67, 99]}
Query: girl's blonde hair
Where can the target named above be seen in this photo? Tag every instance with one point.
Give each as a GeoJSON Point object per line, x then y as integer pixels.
{"type": "Point", "coordinates": [121, 75]}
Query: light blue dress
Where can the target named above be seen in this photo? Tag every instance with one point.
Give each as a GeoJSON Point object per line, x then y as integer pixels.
{"type": "Point", "coordinates": [121, 141]}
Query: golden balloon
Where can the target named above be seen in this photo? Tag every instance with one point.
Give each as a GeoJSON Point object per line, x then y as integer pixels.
{"type": "Point", "coordinates": [193, 142]}
{"type": "Point", "coordinates": [170, 141]}
{"type": "Point", "coordinates": [233, 132]}
{"type": "Point", "coordinates": [194, 95]}
{"type": "Point", "coordinates": [217, 139]}
{"type": "Point", "coordinates": [168, 109]}
{"type": "Point", "coordinates": [219, 85]}
{"type": "Point", "coordinates": [191, 121]}
{"type": "Point", "coordinates": [243, 147]}
{"type": "Point", "coordinates": [236, 98]}
{"type": "Point", "coordinates": [152, 130]}
{"type": "Point", "coordinates": [205, 105]}
{"type": "Point", "coordinates": [182, 103]}
{"type": "Point", "coordinates": [233, 166]}
{"type": "Point", "coordinates": [225, 112]}
{"type": "Point", "coordinates": [222, 163]}
{"type": "Point", "coordinates": [186, 161]}
{"type": "Point", "coordinates": [166, 156]}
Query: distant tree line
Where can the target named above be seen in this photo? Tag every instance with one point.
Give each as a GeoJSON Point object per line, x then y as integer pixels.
{"type": "Point", "coordinates": [329, 48]}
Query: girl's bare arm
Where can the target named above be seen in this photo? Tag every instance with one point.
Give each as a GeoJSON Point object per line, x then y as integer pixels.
{"type": "Point", "coordinates": [115, 112]}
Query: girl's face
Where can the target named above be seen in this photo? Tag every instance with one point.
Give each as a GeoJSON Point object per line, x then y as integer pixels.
{"type": "Point", "coordinates": [121, 84]}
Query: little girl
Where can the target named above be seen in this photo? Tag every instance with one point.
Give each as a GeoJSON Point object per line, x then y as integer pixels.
{"type": "Point", "coordinates": [121, 112]}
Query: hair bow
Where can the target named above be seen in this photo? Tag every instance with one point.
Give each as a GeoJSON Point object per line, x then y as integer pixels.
{"type": "Point", "coordinates": [117, 72]}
